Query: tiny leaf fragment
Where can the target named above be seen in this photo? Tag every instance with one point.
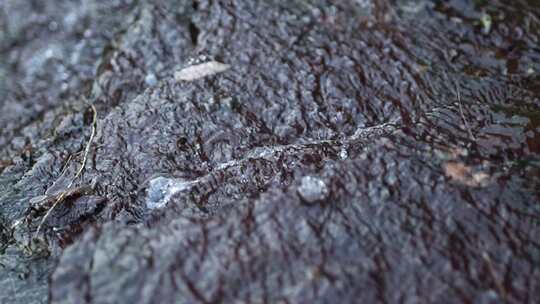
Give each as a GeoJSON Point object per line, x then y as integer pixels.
{"type": "Point", "coordinates": [200, 70]}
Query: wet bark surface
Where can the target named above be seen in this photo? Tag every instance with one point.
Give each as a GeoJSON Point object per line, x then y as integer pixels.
{"type": "Point", "coordinates": [265, 151]}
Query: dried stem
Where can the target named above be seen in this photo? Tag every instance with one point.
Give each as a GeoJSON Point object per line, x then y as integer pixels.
{"type": "Point", "coordinates": [62, 196]}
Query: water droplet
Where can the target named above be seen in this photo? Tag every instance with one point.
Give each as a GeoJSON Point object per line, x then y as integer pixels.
{"type": "Point", "coordinates": [53, 26]}
{"type": "Point", "coordinates": [313, 189]}
{"type": "Point", "coordinates": [343, 153]}
{"type": "Point", "coordinates": [151, 79]}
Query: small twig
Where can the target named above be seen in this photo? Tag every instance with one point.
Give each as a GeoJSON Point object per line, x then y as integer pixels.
{"type": "Point", "coordinates": [87, 149]}
{"type": "Point", "coordinates": [81, 168]}
{"type": "Point", "coordinates": [66, 165]}
{"type": "Point", "coordinates": [471, 136]}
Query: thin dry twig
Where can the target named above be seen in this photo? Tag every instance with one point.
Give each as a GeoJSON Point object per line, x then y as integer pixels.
{"type": "Point", "coordinates": [79, 172]}
{"type": "Point", "coordinates": [471, 136]}
{"type": "Point", "coordinates": [66, 165]}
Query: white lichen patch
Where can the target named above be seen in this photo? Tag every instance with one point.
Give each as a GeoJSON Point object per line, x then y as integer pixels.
{"type": "Point", "coordinates": [200, 70]}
